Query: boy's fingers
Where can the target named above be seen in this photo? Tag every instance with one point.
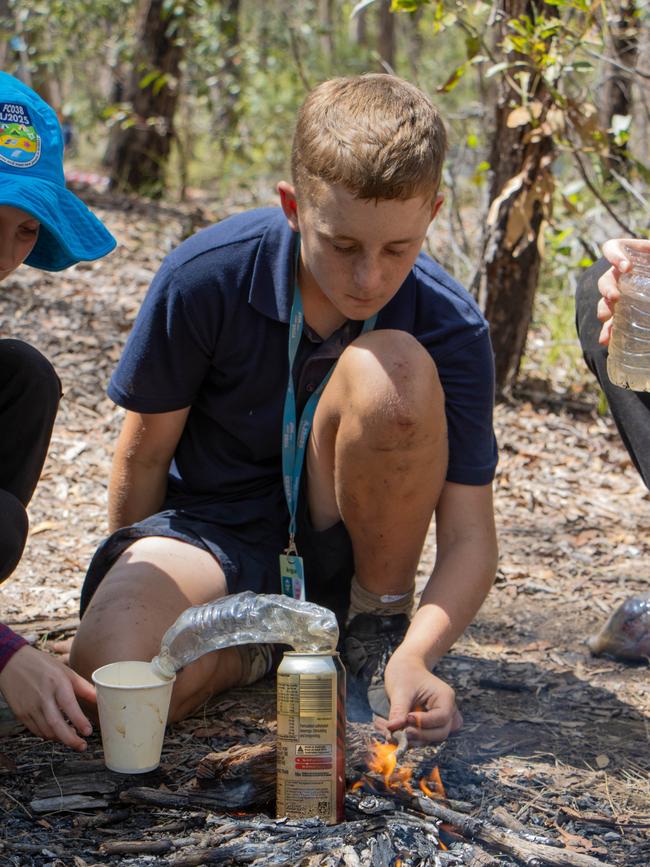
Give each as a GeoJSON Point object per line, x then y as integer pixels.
{"type": "Point", "coordinates": [82, 687]}
{"type": "Point", "coordinates": [604, 310]}
{"type": "Point", "coordinates": [399, 710]}
{"type": "Point", "coordinates": [32, 724]}
{"type": "Point", "coordinates": [57, 729]}
{"type": "Point", "coordinates": [429, 735]}
{"type": "Point", "coordinates": [435, 718]}
{"type": "Point", "coordinates": [614, 251]}
{"type": "Point", "coordinates": [435, 733]}
{"type": "Point", "coordinates": [605, 333]}
{"type": "Point", "coordinates": [66, 701]}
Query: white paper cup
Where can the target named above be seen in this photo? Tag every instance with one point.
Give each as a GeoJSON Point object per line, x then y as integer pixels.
{"type": "Point", "coordinates": [133, 702]}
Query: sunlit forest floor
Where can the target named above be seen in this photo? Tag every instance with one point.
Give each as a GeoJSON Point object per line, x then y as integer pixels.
{"type": "Point", "coordinates": [553, 738]}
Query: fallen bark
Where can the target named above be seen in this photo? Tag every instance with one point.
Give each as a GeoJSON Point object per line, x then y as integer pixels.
{"type": "Point", "coordinates": [239, 776]}
{"type": "Point", "coordinates": [66, 803]}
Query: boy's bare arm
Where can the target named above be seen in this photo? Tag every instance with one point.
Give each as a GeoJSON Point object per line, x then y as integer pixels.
{"type": "Point", "coordinates": [461, 579]}
{"type": "Point", "coordinates": [143, 453]}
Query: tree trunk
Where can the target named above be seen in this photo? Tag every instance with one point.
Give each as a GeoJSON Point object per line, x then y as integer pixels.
{"type": "Point", "coordinates": [326, 26]}
{"type": "Point", "coordinates": [140, 148]}
{"type": "Point", "coordinates": [641, 96]}
{"type": "Point", "coordinates": [358, 29]}
{"type": "Point", "coordinates": [616, 93]}
{"type": "Point", "coordinates": [6, 29]}
{"type": "Point", "coordinates": [386, 37]}
{"type": "Point", "coordinates": [224, 94]}
{"type": "Point", "coordinates": [520, 194]}
{"type": "Point", "coordinates": [415, 42]}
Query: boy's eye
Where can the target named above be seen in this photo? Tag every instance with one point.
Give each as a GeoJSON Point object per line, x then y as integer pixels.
{"type": "Point", "coordinates": [341, 248]}
{"type": "Point", "coordinates": [28, 231]}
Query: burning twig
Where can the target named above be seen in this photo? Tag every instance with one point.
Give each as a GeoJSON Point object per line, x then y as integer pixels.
{"type": "Point", "coordinates": [399, 737]}
{"type": "Point", "coordinates": [384, 759]}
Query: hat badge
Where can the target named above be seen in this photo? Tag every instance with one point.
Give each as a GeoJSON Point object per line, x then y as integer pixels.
{"type": "Point", "coordinates": [20, 144]}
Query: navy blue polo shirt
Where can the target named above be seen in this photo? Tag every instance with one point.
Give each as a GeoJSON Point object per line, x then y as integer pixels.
{"type": "Point", "coordinates": [212, 334]}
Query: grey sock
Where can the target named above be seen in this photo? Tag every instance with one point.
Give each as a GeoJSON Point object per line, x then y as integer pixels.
{"type": "Point", "coordinates": [256, 661]}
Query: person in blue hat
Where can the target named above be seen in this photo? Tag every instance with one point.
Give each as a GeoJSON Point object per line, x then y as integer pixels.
{"type": "Point", "coordinates": [44, 225]}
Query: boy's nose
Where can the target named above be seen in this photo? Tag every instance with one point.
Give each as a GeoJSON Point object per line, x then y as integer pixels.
{"type": "Point", "coordinates": [367, 275]}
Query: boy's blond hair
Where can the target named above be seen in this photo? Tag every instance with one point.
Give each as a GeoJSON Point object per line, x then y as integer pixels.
{"type": "Point", "coordinates": [376, 135]}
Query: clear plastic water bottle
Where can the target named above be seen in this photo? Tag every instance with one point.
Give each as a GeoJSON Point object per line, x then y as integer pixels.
{"type": "Point", "coordinates": [628, 363]}
{"type": "Point", "coordinates": [245, 618]}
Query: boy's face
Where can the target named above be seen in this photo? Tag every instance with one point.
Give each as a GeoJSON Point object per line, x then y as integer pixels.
{"type": "Point", "coordinates": [355, 253]}
{"type": "Point", "coordinates": [18, 234]}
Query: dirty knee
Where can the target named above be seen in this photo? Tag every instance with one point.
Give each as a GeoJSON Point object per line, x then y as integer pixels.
{"type": "Point", "coordinates": [393, 390]}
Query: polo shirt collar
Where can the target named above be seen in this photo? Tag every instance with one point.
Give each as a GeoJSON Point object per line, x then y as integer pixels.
{"type": "Point", "coordinates": [271, 291]}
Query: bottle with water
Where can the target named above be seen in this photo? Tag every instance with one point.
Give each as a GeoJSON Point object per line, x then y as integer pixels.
{"type": "Point", "coordinates": [245, 618]}
{"type": "Point", "coordinates": [628, 363]}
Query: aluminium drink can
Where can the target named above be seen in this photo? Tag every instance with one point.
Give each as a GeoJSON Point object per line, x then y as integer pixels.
{"type": "Point", "coordinates": [311, 737]}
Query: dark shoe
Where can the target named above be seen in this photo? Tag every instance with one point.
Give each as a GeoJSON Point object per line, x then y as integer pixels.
{"type": "Point", "coordinates": [368, 644]}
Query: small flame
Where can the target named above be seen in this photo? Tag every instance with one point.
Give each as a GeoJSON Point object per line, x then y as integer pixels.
{"type": "Point", "coordinates": [438, 790]}
{"type": "Point", "coordinates": [383, 760]}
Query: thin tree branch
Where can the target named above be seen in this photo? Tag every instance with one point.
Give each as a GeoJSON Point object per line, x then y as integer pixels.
{"type": "Point", "coordinates": [295, 50]}
{"type": "Point", "coordinates": [604, 59]}
{"type": "Point", "coordinates": [583, 171]}
{"type": "Point", "coordinates": [630, 189]}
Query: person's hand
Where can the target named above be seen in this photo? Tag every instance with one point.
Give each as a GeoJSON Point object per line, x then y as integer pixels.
{"type": "Point", "coordinates": [614, 252]}
{"type": "Point", "coordinates": [420, 703]}
{"type": "Point", "coordinates": [42, 693]}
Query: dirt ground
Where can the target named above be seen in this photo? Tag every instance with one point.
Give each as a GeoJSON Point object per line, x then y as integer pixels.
{"type": "Point", "coordinates": [554, 738]}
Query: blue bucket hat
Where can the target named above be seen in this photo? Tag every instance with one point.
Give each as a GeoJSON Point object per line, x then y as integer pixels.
{"type": "Point", "coordinates": [32, 179]}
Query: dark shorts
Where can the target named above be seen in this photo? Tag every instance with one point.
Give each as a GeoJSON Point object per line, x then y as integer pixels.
{"type": "Point", "coordinates": [247, 545]}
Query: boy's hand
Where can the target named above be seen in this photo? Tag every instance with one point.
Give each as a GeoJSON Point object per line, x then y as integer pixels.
{"type": "Point", "coordinates": [614, 252]}
{"type": "Point", "coordinates": [42, 693]}
{"type": "Point", "coordinates": [420, 703]}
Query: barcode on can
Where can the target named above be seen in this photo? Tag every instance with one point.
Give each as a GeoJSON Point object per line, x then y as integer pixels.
{"type": "Point", "coordinates": [316, 695]}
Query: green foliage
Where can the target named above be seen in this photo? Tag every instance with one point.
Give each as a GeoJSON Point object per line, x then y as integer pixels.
{"type": "Point", "coordinates": [550, 60]}
{"type": "Point", "coordinates": [244, 75]}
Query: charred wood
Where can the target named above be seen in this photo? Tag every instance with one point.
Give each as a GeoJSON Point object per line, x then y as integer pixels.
{"type": "Point", "coordinates": [77, 784]}
{"type": "Point", "coordinates": [508, 841]}
{"type": "Point", "coordinates": [66, 803]}
{"type": "Point", "coordinates": [136, 847]}
{"type": "Point", "coordinates": [110, 817]}
{"type": "Point", "coordinates": [377, 841]}
{"type": "Point", "coordinates": [239, 776]}
{"type": "Point", "coordinates": [245, 775]}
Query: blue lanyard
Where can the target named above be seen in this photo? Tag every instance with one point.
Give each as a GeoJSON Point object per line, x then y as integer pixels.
{"type": "Point", "coordinates": [294, 437]}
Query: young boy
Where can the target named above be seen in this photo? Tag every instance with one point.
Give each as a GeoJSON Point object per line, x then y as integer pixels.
{"type": "Point", "coordinates": [403, 425]}
{"type": "Point", "coordinates": [44, 225]}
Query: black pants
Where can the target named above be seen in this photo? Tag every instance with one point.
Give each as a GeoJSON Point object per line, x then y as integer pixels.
{"type": "Point", "coordinates": [29, 398]}
{"type": "Point", "coordinates": [630, 409]}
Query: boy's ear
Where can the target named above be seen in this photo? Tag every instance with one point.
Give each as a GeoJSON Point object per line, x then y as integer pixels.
{"type": "Point", "coordinates": [437, 204]}
{"type": "Point", "coordinates": [289, 203]}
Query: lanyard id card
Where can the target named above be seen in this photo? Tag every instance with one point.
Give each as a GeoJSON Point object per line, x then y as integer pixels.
{"type": "Point", "coordinates": [292, 576]}
{"type": "Point", "coordinates": [294, 445]}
